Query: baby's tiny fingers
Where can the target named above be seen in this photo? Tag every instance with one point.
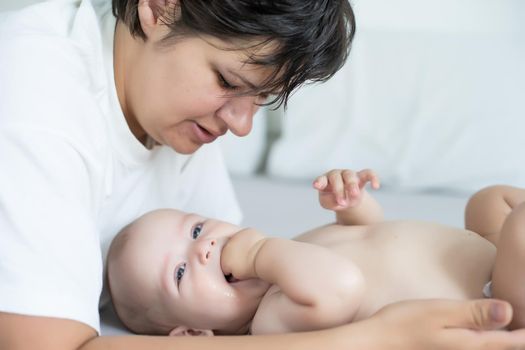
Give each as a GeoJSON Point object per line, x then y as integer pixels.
{"type": "Point", "coordinates": [351, 182]}
{"type": "Point", "coordinates": [368, 175]}
{"type": "Point", "coordinates": [320, 182]}
{"type": "Point", "coordinates": [337, 186]}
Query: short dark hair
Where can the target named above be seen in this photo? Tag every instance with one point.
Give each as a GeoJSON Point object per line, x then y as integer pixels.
{"type": "Point", "coordinates": [313, 36]}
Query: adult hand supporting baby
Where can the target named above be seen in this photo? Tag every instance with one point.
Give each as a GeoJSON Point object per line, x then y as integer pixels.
{"type": "Point", "coordinates": [440, 324]}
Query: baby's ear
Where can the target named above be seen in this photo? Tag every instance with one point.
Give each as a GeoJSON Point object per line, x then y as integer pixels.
{"type": "Point", "coordinates": [183, 330]}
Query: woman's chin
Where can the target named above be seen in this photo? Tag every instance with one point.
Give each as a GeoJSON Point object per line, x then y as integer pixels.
{"type": "Point", "coordinates": [186, 148]}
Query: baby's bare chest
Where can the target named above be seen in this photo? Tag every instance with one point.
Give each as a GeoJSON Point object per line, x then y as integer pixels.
{"type": "Point", "coordinates": [411, 260]}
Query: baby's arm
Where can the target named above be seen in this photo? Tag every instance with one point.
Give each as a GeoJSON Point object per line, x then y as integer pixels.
{"type": "Point", "coordinates": [343, 192]}
{"type": "Point", "coordinates": [313, 288]}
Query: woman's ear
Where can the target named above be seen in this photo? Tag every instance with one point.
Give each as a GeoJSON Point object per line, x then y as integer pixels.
{"type": "Point", "coordinates": [150, 11]}
{"type": "Point", "coordinates": [186, 331]}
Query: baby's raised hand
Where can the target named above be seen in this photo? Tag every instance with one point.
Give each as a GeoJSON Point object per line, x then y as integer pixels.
{"type": "Point", "coordinates": [343, 188]}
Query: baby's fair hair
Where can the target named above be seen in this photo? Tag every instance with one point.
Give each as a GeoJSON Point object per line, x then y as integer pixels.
{"type": "Point", "coordinates": [137, 314]}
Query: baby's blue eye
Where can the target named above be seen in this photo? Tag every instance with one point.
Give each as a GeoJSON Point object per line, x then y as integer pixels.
{"type": "Point", "coordinates": [196, 231]}
{"type": "Point", "coordinates": [180, 272]}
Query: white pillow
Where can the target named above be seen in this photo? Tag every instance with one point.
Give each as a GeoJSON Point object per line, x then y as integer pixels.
{"type": "Point", "coordinates": [427, 107]}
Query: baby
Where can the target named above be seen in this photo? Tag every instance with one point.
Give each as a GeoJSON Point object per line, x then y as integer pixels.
{"type": "Point", "coordinates": [175, 273]}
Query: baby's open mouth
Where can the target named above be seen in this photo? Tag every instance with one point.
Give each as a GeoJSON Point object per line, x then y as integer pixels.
{"type": "Point", "coordinates": [230, 279]}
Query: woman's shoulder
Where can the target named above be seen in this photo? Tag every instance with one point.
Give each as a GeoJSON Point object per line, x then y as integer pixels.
{"type": "Point", "coordinates": [62, 38]}
{"type": "Point", "coordinates": [52, 73]}
{"type": "Point", "coordinates": [58, 19]}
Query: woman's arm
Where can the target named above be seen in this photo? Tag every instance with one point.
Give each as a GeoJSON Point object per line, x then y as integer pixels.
{"type": "Point", "coordinates": [413, 325]}
{"type": "Point", "coordinates": [343, 192]}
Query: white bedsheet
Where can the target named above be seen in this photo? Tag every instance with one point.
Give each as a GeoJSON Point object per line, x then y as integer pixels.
{"type": "Point", "coordinates": [286, 208]}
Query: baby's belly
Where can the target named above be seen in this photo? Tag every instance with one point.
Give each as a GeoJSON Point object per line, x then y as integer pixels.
{"type": "Point", "coordinates": [412, 260]}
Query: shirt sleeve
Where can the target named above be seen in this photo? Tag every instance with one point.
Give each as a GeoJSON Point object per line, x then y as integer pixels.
{"type": "Point", "coordinates": [50, 260]}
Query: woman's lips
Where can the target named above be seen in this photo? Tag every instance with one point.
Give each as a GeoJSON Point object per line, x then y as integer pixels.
{"type": "Point", "coordinates": [203, 135]}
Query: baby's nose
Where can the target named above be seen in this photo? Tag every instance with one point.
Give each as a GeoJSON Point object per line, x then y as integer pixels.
{"type": "Point", "coordinates": [204, 250]}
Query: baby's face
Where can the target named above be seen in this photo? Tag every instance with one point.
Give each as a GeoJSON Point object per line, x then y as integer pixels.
{"type": "Point", "coordinates": [177, 263]}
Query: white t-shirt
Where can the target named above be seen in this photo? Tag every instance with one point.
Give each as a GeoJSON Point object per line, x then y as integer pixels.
{"type": "Point", "coordinates": [71, 172]}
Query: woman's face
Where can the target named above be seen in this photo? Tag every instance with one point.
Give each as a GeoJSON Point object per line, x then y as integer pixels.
{"type": "Point", "coordinates": [185, 95]}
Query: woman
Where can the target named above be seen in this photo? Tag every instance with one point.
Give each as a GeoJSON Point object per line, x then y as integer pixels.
{"type": "Point", "coordinates": [105, 119]}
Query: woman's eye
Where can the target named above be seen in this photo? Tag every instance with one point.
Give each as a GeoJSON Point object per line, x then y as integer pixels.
{"type": "Point", "coordinates": [196, 231]}
{"type": "Point", "coordinates": [225, 84]}
{"type": "Point", "coordinates": [180, 272]}
{"type": "Point", "coordinates": [263, 97]}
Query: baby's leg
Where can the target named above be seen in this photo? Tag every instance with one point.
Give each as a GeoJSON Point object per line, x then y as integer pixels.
{"type": "Point", "coordinates": [508, 276]}
{"type": "Point", "coordinates": [488, 208]}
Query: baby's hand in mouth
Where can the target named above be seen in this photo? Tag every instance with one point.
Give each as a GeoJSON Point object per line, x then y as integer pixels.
{"type": "Point", "coordinates": [230, 279]}
{"type": "Point", "coordinates": [239, 253]}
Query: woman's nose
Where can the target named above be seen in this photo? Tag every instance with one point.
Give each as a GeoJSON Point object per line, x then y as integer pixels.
{"type": "Point", "coordinates": [204, 249]}
{"type": "Point", "coordinates": [238, 114]}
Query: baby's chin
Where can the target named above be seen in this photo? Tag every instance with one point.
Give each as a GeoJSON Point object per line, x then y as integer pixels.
{"type": "Point", "coordinates": [249, 295]}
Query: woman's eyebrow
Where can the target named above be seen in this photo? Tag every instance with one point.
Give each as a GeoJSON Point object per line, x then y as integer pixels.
{"type": "Point", "coordinates": [243, 79]}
